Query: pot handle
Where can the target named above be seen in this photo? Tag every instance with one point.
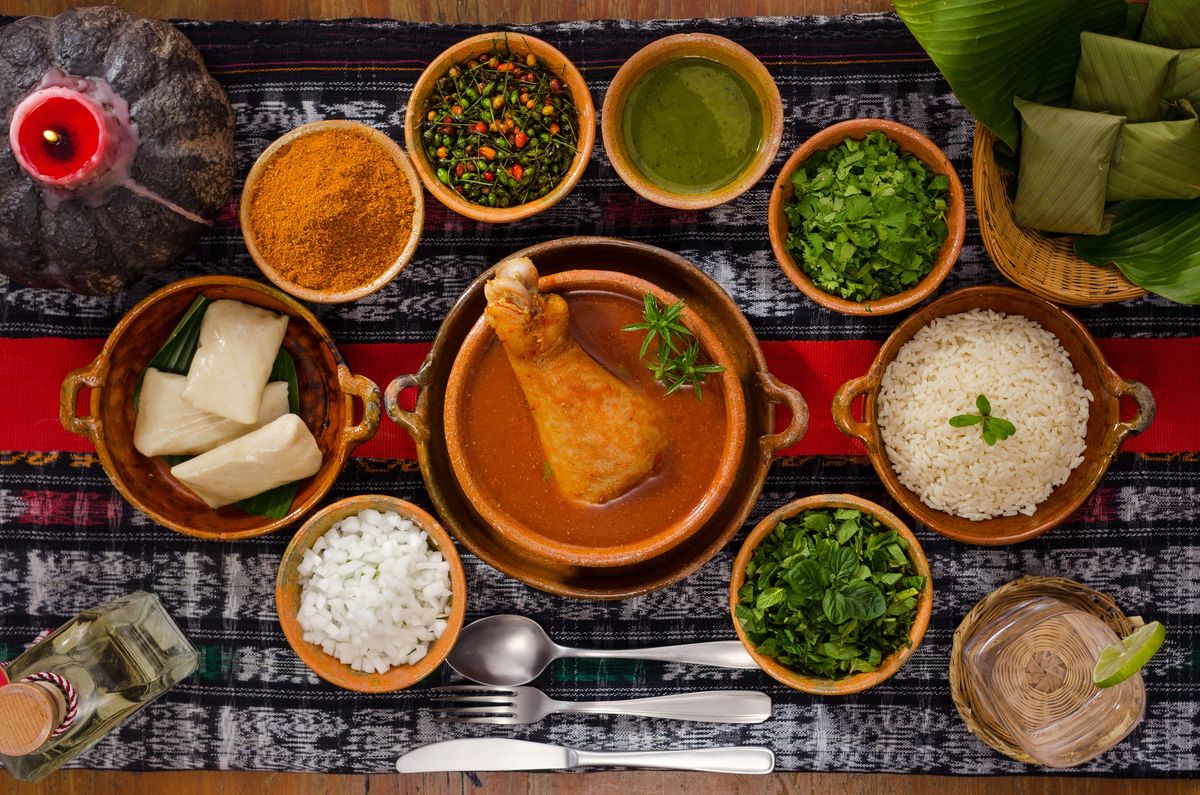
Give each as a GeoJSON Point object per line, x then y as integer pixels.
{"type": "Point", "coordinates": [1145, 403]}
{"type": "Point", "coordinates": [779, 392]}
{"type": "Point", "coordinates": [365, 390]}
{"type": "Point", "coordinates": [843, 409]}
{"type": "Point", "coordinates": [68, 401]}
{"type": "Point", "coordinates": [411, 421]}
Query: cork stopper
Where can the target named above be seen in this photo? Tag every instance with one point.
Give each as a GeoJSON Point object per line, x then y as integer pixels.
{"type": "Point", "coordinates": [29, 712]}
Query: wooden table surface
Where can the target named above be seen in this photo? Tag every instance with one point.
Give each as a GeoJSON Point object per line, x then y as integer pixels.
{"type": "Point", "coordinates": [86, 782]}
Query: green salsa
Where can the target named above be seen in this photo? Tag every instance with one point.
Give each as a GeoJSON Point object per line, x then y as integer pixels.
{"type": "Point", "coordinates": [692, 125]}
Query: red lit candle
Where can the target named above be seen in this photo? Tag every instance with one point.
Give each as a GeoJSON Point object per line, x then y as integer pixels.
{"type": "Point", "coordinates": [62, 137]}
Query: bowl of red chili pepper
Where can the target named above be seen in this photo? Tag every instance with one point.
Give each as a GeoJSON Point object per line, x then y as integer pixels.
{"type": "Point", "coordinates": [332, 211]}
{"type": "Point", "coordinates": [500, 127]}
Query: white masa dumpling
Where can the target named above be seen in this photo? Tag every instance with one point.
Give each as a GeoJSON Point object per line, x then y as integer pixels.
{"type": "Point", "coordinates": [277, 453]}
{"type": "Point", "coordinates": [234, 355]}
{"type": "Point", "coordinates": [169, 425]}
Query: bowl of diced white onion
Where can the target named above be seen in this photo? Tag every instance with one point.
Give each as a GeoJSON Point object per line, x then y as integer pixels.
{"type": "Point", "coordinates": [371, 594]}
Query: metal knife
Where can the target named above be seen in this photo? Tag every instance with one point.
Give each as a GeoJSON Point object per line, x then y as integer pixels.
{"type": "Point", "coordinates": [498, 753]}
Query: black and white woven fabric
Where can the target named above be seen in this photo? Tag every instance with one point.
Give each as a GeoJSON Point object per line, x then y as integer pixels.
{"type": "Point", "coordinates": [68, 541]}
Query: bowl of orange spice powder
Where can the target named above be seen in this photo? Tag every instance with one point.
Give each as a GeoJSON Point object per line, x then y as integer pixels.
{"type": "Point", "coordinates": [332, 211]}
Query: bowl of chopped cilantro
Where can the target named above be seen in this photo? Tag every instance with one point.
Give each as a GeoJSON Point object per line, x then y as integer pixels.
{"type": "Point", "coordinates": [831, 594]}
{"type": "Point", "coordinates": [867, 217]}
{"type": "Point", "coordinates": [500, 126]}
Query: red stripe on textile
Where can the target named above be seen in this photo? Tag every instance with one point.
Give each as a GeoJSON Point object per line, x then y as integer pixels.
{"type": "Point", "coordinates": [34, 369]}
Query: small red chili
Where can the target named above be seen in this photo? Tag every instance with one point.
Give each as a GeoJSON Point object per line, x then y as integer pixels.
{"type": "Point", "coordinates": [488, 176]}
{"type": "Point", "coordinates": [459, 169]}
{"type": "Point", "coordinates": [520, 139]}
{"type": "Point", "coordinates": [517, 171]}
{"type": "Point", "coordinates": [480, 127]}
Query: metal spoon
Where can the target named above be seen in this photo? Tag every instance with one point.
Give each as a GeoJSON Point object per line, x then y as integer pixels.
{"type": "Point", "coordinates": [508, 650]}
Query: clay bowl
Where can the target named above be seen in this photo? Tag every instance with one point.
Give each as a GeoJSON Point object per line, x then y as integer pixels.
{"type": "Point", "coordinates": [910, 141]}
{"type": "Point", "coordinates": [328, 296]}
{"type": "Point", "coordinates": [462, 387]}
{"type": "Point", "coordinates": [1105, 429]}
{"type": "Point", "coordinates": [890, 664]}
{"type": "Point", "coordinates": [766, 433]}
{"type": "Point", "coordinates": [670, 48]}
{"type": "Point", "coordinates": [327, 393]}
{"type": "Point", "coordinates": [287, 597]}
{"type": "Point", "coordinates": [520, 44]}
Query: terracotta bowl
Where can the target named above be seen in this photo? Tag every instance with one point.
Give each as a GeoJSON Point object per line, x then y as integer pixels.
{"type": "Point", "coordinates": [683, 45]}
{"type": "Point", "coordinates": [416, 401]}
{"type": "Point", "coordinates": [287, 597]}
{"type": "Point", "coordinates": [327, 296]}
{"type": "Point", "coordinates": [1105, 429]}
{"type": "Point", "coordinates": [327, 393]}
{"type": "Point", "coordinates": [910, 141]}
{"type": "Point", "coordinates": [461, 386]}
{"type": "Point", "coordinates": [890, 664]}
{"type": "Point", "coordinates": [520, 44]}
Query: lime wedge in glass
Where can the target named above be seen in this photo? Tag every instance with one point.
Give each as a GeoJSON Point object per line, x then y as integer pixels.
{"type": "Point", "coordinates": [1122, 660]}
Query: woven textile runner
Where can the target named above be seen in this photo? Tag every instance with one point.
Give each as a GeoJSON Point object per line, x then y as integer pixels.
{"type": "Point", "coordinates": [68, 541]}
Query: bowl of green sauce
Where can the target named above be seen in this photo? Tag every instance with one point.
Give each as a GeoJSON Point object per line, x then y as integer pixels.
{"type": "Point", "coordinates": [692, 121]}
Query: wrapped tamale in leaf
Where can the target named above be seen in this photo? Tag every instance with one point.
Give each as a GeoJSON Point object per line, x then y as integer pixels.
{"type": "Point", "coordinates": [1184, 82]}
{"type": "Point", "coordinates": [1065, 158]}
{"type": "Point", "coordinates": [1172, 23]}
{"type": "Point", "coordinates": [1121, 77]}
{"type": "Point", "coordinates": [1159, 160]}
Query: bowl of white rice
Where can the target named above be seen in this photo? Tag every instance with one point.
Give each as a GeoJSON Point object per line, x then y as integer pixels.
{"type": "Point", "coordinates": [1020, 460]}
{"type": "Point", "coordinates": [371, 594]}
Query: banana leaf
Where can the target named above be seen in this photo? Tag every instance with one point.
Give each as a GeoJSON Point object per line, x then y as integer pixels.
{"type": "Point", "coordinates": [1156, 244]}
{"type": "Point", "coordinates": [991, 51]}
{"type": "Point", "coordinates": [1184, 82]}
{"type": "Point", "coordinates": [1172, 23]}
{"type": "Point", "coordinates": [1065, 157]}
{"type": "Point", "coordinates": [1159, 160]}
{"type": "Point", "coordinates": [1122, 77]}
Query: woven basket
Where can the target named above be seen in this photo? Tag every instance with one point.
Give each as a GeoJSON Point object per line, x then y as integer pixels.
{"type": "Point", "coordinates": [990, 608]}
{"type": "Point", "coordinates": [1046, 266]}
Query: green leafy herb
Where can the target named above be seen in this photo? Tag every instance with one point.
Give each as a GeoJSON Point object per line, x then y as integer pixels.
{"type": "Point", "coordinates": [176, 355]}
{"type": "Point", "coordinates": [675, 357]}
{"type": "Point", "coordinates": [993, 428]}
{"type": "Point", "coordinates": [867, 220]}
{"type": "Point", "coordinates": [830, 593]}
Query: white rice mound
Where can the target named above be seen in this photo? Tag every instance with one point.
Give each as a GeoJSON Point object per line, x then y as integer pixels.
{"type": "Point", "coordinates": [374, 592]}
{"type": "Point", "coordinates": [1029, 380]}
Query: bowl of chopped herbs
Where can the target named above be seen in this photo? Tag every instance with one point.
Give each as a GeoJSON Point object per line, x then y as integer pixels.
{"type": "Point", "coordinates": [867, 217]}
{"type": "Point", "coordinates": [831, 594]}
{"type": "Point", "coordinates": [500, 126]}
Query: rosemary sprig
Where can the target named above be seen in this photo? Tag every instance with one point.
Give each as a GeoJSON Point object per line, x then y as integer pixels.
{"type": "Point", "coordinates": [674, 363]}
{"type": "Point", "coordinates": [993, 428]}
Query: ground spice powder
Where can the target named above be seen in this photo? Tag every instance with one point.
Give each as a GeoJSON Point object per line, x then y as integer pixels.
{"type": "Point", "coordinates": [332, 211]}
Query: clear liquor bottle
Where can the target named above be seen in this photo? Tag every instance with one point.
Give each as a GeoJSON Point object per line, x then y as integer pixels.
{"type": "Point", "coordinates": [117, 658]}
{"type": "Point", "coordinates": [1031, 669]}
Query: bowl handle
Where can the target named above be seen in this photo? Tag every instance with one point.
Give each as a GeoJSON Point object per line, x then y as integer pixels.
{"type": "Point", "coordinates": [68, 401]}
{"type": "Point", "coordinates": [365, 390]}
{"type": "Point", "coordinates": [411, 421]}
{"type": "Point", "coordinates": [843, 409]}
{"type": "Point", "coordinates": [779, 392]}
{"type": "Point", "coordinates": [1145, 403]}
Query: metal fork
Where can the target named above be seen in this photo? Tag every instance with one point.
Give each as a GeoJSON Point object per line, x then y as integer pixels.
{"type": "Point", "coordinates": [513, 705]}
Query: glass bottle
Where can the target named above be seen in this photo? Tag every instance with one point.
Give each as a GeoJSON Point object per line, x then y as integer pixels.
{"type": "Point", "coordinates": [1031, 670]}
{"type": "Point", "coordinates": [117, 658]}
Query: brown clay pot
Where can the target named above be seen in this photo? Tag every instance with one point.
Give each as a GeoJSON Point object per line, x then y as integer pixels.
{"type": "Point", "coordinates": [890, 664]}
{"type": "Point", "coordinates": [683, 45]}
{"type": "Point", "coordinates": [327, 296]}
{"type": "Point", "coordinates": [425, 423]}
{"type": "Point", "coordinates": [327, 393]}
{"type": "Point", "coordinates": [731, 438]}
{"type": "Point", "coordinates": [519, 44]}
{"type": "Point", "coordinates": [287, 597]}
{"type": "Point", "coordinates": [910, 141]}
{"type": "Point", "coordinates": [1105, 429]}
